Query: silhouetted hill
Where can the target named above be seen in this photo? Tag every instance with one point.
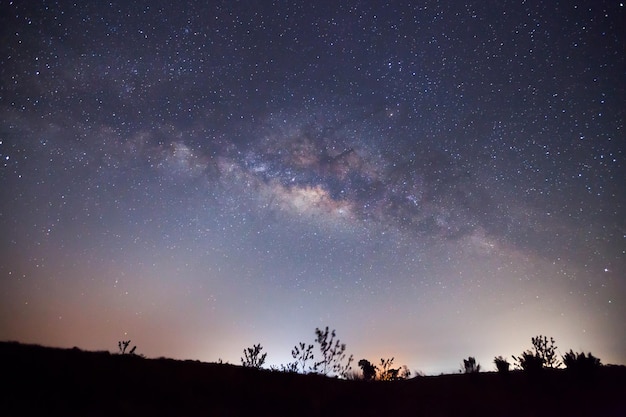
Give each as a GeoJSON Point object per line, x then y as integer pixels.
{"type": "Point", "coordinates": [70, 382]}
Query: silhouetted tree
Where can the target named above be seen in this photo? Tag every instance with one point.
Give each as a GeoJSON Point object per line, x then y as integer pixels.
{"type": "Point", "coordinates": [333, 354]}
{"type": "Point", "coordinates": [123, 345]}
{"type": "Point", "coordinates": [302, 354]}
{"type": "Point", "coordinates": [502, 365]}
{"type": "Point", "coordinates": [253, 357]}
{"type": "Point", "coordinates": [470, 366]}
{"type": "Point", "coordinates": [369, 370]}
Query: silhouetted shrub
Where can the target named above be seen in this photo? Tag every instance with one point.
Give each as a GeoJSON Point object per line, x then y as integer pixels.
{"type": "Point", "coordinates": [253, 357]}
{"type": "Point", "coordinates": [302, 355]}
{"type": "Point", "coordinates": [580, 363]}
{"type": "Point", "coordinates": [502, 365]}
{"type": "Point", "coordinates": [542, 356]}
{"type": "Point", "coordinates": [369, 370]}
{"type": "Point", "coordinates": [546, 350]}
{"type": "Point", "coordinates": [123, 345]}
{"type": "Point", "coordinates": [386, 372]}
{"type": "Point", "coordinates": [405, 372]}
{"type": "Point", "coordinates": [529, 362]}
{"type": "Point", "coordinates": [470, 366]}
{"type": "Point", "coordinates": [333, 354]}
{"type": "Point", "coordinates": [291, 367]}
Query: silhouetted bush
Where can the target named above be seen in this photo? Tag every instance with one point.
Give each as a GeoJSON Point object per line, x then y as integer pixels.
{"type": "Point", "coordinates": [291, 367]}
{"type": "Point", "coordinates": [581, 364]}
{"type": "Point", "coordinates": [502, 365]}
{"type": "Point", "coordinates": [542, 356]}
{"type": "Point", "coordinates": [546, 350]}
{"type": "Point", "coordinates": [470, 366]}
{"type": "Point", "coordinates": [386, 372]}
{"type": "Point", "coordinates": [302, 355]}
{"type": "Point", "coordinates": [529, 362]}
{"type": "Point", "coordinates": [405, 372]}
{"type": "Point", "coordinates": [253, 357]}
{"type": "Point", "coordinates": [369, 370]}
{"type": "Point", "coordinates": [333, 354]}
{"type": "Point", "coordinates": [123, 345]}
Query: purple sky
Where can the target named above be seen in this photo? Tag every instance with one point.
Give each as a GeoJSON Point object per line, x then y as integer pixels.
{"type": "Point", "coordinates": [432, 180]}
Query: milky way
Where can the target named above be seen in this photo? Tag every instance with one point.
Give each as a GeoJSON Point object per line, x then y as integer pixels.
{"type": "Point", "coordinates": [434, 180]}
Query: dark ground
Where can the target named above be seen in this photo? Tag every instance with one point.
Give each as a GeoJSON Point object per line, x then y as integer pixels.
{"type": "Point", "coordinates": [70, 382]}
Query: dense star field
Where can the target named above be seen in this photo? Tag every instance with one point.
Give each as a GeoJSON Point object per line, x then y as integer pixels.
{"type": "Point", "coordinates": [433, 180]}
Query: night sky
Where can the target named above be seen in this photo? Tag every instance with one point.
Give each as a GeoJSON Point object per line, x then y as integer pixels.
{"type": "Point", "coordinates": [434, 180]}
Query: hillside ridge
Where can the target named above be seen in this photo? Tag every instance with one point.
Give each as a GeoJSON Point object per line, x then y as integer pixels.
{"type": "Point", "coordinates": [44, 380]}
